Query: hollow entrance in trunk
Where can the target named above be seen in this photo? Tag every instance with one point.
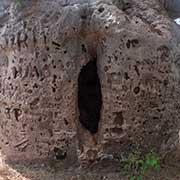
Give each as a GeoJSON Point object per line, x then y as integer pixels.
{"type": "Point", "coordinates": [89, 97]}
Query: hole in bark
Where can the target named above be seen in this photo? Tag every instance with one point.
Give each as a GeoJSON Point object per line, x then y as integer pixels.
{"type": "Point", "coordinates": [89, 97]}
{"type": "Point", "coordinates": [59, 154]}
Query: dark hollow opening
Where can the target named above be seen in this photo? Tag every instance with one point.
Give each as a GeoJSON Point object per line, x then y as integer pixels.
{"type": "Point", "coordinates": [89, 97]}
{"type": "Point", "coordinates": [59, 154]}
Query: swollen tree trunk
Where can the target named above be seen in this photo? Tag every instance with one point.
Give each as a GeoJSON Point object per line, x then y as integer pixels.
{"type": "Point", "coordinates": [83, 78]}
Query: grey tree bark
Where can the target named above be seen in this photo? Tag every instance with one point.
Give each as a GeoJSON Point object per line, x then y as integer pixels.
{"type": "Point", "coordinates": [173, 7]}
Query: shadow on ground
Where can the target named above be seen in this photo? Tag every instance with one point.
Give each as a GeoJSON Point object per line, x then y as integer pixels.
{"type": "Point", "coordinates": [104, 170]}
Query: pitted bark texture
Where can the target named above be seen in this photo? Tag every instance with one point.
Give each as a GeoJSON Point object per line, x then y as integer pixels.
{"type": "Point", "coordinates": [43, 47]}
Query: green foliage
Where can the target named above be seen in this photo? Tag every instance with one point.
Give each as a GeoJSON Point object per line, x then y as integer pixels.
{"type": "Point", "coordinates": [138, 166]}
{"type": "Point", "coordinates": [19, 2]}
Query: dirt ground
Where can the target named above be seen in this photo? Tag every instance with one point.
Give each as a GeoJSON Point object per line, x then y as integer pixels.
{"type": "Point", "coordinates": [104, 170]}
